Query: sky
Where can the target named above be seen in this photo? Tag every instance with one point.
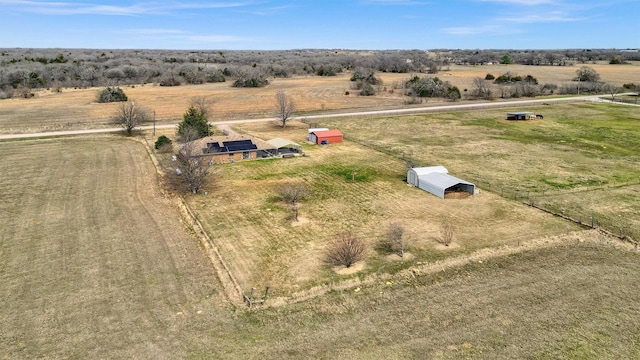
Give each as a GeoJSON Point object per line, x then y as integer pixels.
{"type": "Point", "coordinates": [329, 24]}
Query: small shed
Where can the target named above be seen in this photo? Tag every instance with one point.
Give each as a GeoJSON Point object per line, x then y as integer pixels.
{"type": "Point", "coordinates": [437, 181]}
{"type": "Point", "coordinates": [523, 115]}
{"type": "Point", "coordinates": [326, 137]}
{"type": "Point", "coordinates": [312, 130]}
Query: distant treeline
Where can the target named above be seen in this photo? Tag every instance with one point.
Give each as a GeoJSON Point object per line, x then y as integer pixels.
{"type": "Point", "coordinates": [22, 70]}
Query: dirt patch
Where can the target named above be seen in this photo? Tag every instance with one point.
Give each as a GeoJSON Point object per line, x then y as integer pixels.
{"type": "Point", "coordinates": [343, 270]}
{"type": "Point", "coordinates": [395, 257]}
{"type": "Point", "coordinates": [443, 247]}
{"type": "Point", "coordinates": [302, 221]}
{"type": "Point", "coordinates": [456, 195]}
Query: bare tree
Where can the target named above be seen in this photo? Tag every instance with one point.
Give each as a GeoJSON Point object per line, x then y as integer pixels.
{"type": "Point", "coordinates": [284, 108]}
{"type": "Point", "coordinates": [203, 104]}
{"type": "Point", "coordinates": [396, 238]}
{"type": "Point", "coordinates": [194, 171]}
{"type": "Point", "coordinates": [446, 232]}
{"type": "Point", "coordinates": [346, 250]}
{"type": "Point", "coordinates": [291, 193]}
{"type": "Point", "coordinates": [482, 88]}
{"type": "Point", "coordinates": [129, 115]}
{"type": "Point", "coordinates": [612, 89]}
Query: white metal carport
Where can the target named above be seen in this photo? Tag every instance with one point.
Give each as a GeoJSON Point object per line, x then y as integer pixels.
{"type": "Point", "coordinates": [437, 181]}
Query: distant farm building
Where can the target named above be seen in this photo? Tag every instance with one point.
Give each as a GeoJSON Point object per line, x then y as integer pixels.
{"type": "Point", "coordinates": [523, 115]}
{"type": "Point", "coordinates": [224, 149]}
{"type": "Point", "coordinates": [437, 181]}
{"type": "Point", "coordinates": [324, 137]}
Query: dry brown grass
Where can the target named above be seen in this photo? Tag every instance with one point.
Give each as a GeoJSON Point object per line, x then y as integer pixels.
{"type": "Point", "coordinates": [75, 282]}
{"type": "Point", "coordinates": [93, 261]}
{"type": "Point", "coordinates": [251, 226]}
{"type": "Point", "coordinates": [77, 109]}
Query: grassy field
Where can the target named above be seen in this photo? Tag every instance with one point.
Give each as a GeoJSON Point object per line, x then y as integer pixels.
{"type": "Point", "coordinates": [575, 147]}
{"type": "Point", "coordinates": [263, 246]}
{"type": "Point", "coordinates": [77, 281]}
{"type": "Point", "coordinates": [95, 261]}
{"type": "Point", "coordinates": [77, 108]}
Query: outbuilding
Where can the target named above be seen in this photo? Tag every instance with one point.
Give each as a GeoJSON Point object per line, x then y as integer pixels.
{"type": "Point", "coordinates": [285, 147]}
{"type": "Point", "coordinates": [437, 181]}
{"type": "Point", "coordinates": [312, 130]}
{"type": "Point", "coordinates": [523, 115]}
{"type": "Point", "coordinates": [325, 137]}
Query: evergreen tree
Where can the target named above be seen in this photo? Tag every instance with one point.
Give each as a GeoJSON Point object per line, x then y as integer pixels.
{"type": "Point", "coordinates": [195, 124]}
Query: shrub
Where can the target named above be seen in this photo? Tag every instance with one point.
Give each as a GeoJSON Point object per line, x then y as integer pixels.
{"type": "Point", "coordinates": [367, 90]}
{"type": "Point", "coordinates": [111, 94]}
{"type": "Point", "coordinates": [395, 240]}
{"type": "Point", "coordinates": [489, 77]}
{"type": "Point", "coordinates": [169, 80]}
{"type": "Point", "coordinates": [346, 250]}
{"type": "Point", "coordinates": [447, 231]}
{"type": "Point", "coordinates": [367, 76]}
{"type": "Point", "coordinates": [162, 142]}
{"type": "Point", "coordinates": [453, 93]}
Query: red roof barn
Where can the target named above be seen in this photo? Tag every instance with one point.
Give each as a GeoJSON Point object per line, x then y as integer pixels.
{"type": "Point", "coordinates": [326, 137]}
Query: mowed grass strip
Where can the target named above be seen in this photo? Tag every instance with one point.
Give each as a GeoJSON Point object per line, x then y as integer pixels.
{"type": "Point", "coordinates": [353, 189]}
{"type": "Point", "coordinates": [93, 262]}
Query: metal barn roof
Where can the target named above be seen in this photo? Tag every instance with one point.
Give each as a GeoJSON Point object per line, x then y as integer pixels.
{"type": "Point", "coordinates": [317, 129]}
{"type": "Point", "coordinates": [325, 133]}
{"type": "Point", "coordinates": [429, 169]}
{"type": "Point", "coordinates": [280, 143]}
{"type": "Point", "coordinates": [437, 183]}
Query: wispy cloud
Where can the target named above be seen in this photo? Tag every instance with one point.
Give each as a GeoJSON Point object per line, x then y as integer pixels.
{"type": "Point", "coordinates": [216, 38]}
{"type": "Point", "coordinates": [474, 30]}
{"type": "Point", "coordinates": [522, 2]}
{"type": "Point", "coordinates": [268, 11]}
{"type": "Point", "coordinates": [534, 18]}
{"type": "Point", "coordinates": [181, 35]}
{"type": "Point", "coordinates": [396, 2]}
{"type": "Point", "coordinates": [152, 32]}
{"type": "Point", "coordinates": [82, 8]}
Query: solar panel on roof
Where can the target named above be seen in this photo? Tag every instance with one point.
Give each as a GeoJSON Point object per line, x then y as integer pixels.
{"type": "Point", "coordinates": [240, 145]}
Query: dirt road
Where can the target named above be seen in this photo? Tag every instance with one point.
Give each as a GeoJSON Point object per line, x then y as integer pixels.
{"type": "Point", "coordinates": [412, 110]}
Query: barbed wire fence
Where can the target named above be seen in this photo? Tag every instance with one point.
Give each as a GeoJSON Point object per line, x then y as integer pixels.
{"type": "Point", "coordinates": [613, 224]}
{"type": "Point", "coordinates": [548, 200]}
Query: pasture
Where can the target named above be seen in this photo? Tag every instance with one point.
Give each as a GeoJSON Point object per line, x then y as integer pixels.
{"type": "Point", "coordinates": [588, 148]}
{"type": "Point", "coordinates": [74, 109]}
{"type": "Point", "coordinates": [77, 281]}
{"type": "Point", "coordinates": [95, 261]}
{"type": "Point", "coordinates": [262, 245]}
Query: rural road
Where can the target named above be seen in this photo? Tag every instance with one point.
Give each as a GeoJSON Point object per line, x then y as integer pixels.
{"type": "Point", "coordinates": [413, 110]}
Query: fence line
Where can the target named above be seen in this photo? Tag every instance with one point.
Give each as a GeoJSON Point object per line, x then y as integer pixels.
{"type": "Point", "coordinates": [601, 222]}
